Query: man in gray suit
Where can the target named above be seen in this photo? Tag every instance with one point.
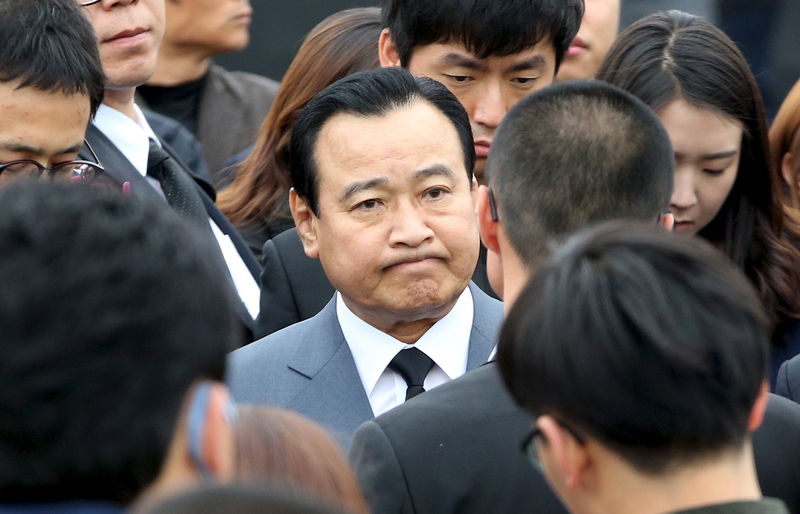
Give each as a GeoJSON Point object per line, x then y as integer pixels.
{"type": "Point", "coordinates": [384, 196]}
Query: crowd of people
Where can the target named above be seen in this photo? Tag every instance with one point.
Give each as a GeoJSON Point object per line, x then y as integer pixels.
{"type": "Point", "coordinates": [468, 256]}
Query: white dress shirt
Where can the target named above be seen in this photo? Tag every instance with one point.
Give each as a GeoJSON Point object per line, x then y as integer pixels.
{"type": "Point", "coordinates": [446, 343]}
{"type": "Point", "coordinates": [132, 138]}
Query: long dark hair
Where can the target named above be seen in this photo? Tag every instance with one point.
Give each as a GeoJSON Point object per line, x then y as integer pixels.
{"type": "Point", "coordinates": [673, 55]}
{"type": "Point", "coordinates": [340, 45]}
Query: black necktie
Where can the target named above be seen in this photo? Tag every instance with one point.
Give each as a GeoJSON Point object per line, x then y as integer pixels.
{"type": "Point", "coordinates": [178, 187]}
{"type": "Point", "coordinates": [413, 366]}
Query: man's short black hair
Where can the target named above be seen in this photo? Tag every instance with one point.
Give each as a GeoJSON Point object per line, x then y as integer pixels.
{"type": "Point", "coordinates": [109, 311]}
{"type": "Point", "coordinates": [573, 154]}
{"type": "Point", "coordinates": [50, 45]}
{"type": "Point", "coordinates": [375, 93]}
{"type": "Point", "coordinates": [654, 345]}
{"type": "Point", "coordinates": [485, 27]}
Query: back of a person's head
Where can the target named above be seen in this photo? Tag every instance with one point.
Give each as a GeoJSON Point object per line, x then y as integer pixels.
{"type": "Point", "coordinates": [110, 310]}
{"type": "Point", "coordinates": [573, 154]}
{"type": "Point", "coordinates": [287, 450]}
{"type": "Point", "coordinates": [654, 345]}
{"type": "Point", "coordinates": [239, 499]}
{"type": "Point", "coordinates": [50, 45]}
{"type": "Point", "coordinates": [485, 27]}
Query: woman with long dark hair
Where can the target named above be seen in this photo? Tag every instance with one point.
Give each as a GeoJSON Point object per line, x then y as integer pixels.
{"type": "Point", "coordinates": [257, 201]}
{"type": "Point", "coordinates": [726, 190]}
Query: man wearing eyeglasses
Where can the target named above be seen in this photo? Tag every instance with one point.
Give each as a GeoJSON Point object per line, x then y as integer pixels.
{"type": "Point", "coordinates": [128, 34]}
{"type": "Point", "coordinates": [47, 92]}
{"type": "Point", "coordinates": [677, 375]}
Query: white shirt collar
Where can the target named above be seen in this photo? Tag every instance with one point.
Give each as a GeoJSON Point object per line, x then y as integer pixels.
{"type": "Point", "coordinates": [446, 342]}
{"type": "Point", "coordinates": [132, 138]}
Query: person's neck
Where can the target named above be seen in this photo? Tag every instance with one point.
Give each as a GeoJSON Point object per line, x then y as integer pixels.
{"type": "Point", "coordinates": [407, 328]}
{"type": "Point", "coordinates": [179, 65]}
{"type": "Point", "coordinates": [122, 100]}
{"type": "Point", "coordinates": [728, 479]}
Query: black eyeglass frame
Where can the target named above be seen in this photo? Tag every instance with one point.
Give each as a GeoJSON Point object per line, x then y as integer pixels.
{"type": "Point", "coordinates": [50, 171]}
{"type": "Point", "coordinates": [88, 2]}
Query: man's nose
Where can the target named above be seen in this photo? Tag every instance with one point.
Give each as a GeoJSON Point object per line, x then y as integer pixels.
{"type": "Point", "coordinates": [409, 227]}
{"type": "Point", "coordinates": [490, 107]}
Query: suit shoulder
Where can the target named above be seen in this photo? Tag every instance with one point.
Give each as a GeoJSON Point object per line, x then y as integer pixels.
{"type": "Point", "coordinates": [479, 394]}
{"type": "Point", "coordinates": [250, 86]}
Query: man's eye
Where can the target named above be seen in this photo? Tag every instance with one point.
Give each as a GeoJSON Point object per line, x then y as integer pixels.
{"type": "Point", "coordinates": [435, 193]}
{"type": "Point", "coordinates": [524, 80]}
{"type": "Point", "coordinates": [368, 205]}
{"type": "Point", "coordinates": [459, 79]}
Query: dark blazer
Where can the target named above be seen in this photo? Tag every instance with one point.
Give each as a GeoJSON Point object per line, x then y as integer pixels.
{"type": "Point", "coordinates": [308, 367]}
{"type": "Point", "coordinates": [788, 382]}
{"type": "Point", "coordinates": [120, 170]}
{"type": "Point", "coordinates": [457, 449]}
{"type": "Point", "coordinates": [231, 109]}
{"type": "Point", "coordinates": [294, 287]}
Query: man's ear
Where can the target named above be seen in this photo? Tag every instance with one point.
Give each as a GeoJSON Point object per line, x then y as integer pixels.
{"type": "Point", "coordinates": [486, 223]}
{"type": "Point", "coordinates": [306, 222]}
{"type": "Point", "coordinates": [219, 447]}
{"type": "Point", "coordinates": [560, 450]}
{"type": "Point", "coordinates": [759, 408]}
{"type": "Point", "coordinates": [387, 52]}
{"type": "Point", "coordinates": [667, 221]}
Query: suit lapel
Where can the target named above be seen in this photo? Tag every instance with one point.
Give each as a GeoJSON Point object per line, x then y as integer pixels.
{"type": "Point", "coordinates": [334, 393]}
{"type": "Point", "coordinates": [486, 320]}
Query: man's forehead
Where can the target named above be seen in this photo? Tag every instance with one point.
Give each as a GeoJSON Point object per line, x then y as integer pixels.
{"type": "Point", "coordinates": [418, 134]}
{"type": "Point", "coordinates": [457, 50]}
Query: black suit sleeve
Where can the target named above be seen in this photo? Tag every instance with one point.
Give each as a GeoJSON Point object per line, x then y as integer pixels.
{"type": "Point", "coordinates": [278, 305]}
{"type": "Point", "coordinates": [379, 472]}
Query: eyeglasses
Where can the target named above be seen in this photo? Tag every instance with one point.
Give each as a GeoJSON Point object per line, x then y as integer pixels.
{"type": "Point", "coordinates": [528, 445]}
{"type": "Point", "coordinates": [84, 3]}
{"type": "Point", "coordinates": [77, 170]}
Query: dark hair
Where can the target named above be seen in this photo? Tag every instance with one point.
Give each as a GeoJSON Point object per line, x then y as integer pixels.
{"type": "Point", "coordinates": [673, 55]}
{"type": "Point", "coordinates": [655, 345]}
{"type": "Point", "coordinates": [109, 311]}
{"type": "Point", "coordinates": [484, 27]}
{"type": "Point", "coordinates": [50, 46]}
{"type": "Point", "coordinates": [288, 450]}
{"type": "Point", "coordinates": [340, 45]}
{"type": "Point", "coordinates": [368, 93]}
{"type": "Point", "coordinates": [238, 498]}
{"type": "Point", "coordinates": [573, 154]}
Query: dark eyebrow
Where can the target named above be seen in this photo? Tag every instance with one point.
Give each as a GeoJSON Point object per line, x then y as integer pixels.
{"type": "Point", "coordinates": [711, 156]}
{"type": "Point", "coordinates": [462, 62]}
{"type": "Point", "coordinates": [23, 148]}
{"type": "Point", "coordinates": [357, 187]}
{"type": "Point", "coordinates": [435, 170]}
{"type": "Point", "coordinates": [536, 62]}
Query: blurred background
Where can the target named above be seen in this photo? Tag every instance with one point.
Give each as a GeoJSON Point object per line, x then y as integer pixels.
{"type": "Point", "coordinates": [766, 30]}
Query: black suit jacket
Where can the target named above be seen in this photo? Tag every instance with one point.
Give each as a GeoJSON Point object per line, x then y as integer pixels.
{"type": "Point", "coordinates": [120, 170]}
{"type": "Point", "coordinates": [788, 382]}
{"type": "Point", "coordinates": [294, 287]}
{"type": "Point", "coordinates": [457, 449]}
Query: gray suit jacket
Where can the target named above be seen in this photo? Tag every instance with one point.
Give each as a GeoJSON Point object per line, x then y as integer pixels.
{"type": "Point", "coordinates": [308, 367]}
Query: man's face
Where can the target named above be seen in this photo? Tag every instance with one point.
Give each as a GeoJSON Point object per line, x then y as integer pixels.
{"type": "Point", "coordinates": [396, 232]}
{"type": "Point", "coordinates": [487, 88]}
{"type": "Point", "coordinates": [595, 37]}
{"type": "Point", "coordinates": [129, 33]}
{"type": "Point", "coordinates": [213, 26]}
{"type": "Point", "coordinates": [47, 127]}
